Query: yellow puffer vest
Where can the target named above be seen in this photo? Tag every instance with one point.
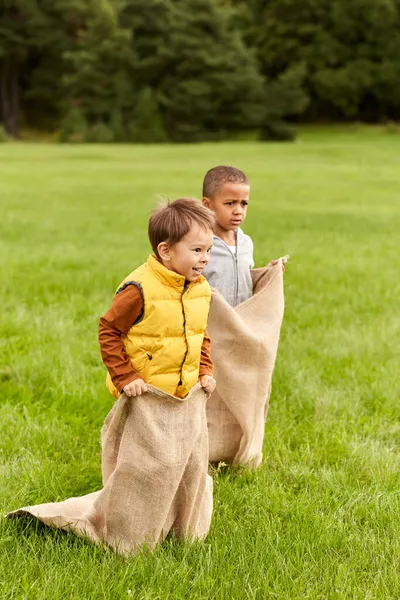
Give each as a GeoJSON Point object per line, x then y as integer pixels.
{"type": "Point", "coordinates": [165, 346]}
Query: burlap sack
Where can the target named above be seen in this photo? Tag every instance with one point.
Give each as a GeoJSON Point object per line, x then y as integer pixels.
{"type": "Point", "coordinates": [154, 466]}
{"type": "Point", "coordinates": [244, 346]}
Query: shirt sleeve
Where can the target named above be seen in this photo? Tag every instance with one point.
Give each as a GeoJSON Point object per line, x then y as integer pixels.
{"type": "Point", "coordinates": [126, 309]}
{"type": "Point", "coordinates": [206, 365]}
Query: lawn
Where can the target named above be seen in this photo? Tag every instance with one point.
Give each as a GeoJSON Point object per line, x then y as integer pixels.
{"type": "Point", "coordinates": [321, 518]}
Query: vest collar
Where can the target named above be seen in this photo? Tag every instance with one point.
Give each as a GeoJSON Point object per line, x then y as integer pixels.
{"type": "Point", "coordinates": [168, 277]}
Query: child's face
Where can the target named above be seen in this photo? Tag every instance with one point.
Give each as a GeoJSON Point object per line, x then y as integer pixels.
{"type": "Point", "coordinates": [190, 255]}
{"type": "Point", "coordinates": [229, 205]}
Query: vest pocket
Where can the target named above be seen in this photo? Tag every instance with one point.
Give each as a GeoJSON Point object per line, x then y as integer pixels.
{"type": "Point", "coordinates": [148, 357]}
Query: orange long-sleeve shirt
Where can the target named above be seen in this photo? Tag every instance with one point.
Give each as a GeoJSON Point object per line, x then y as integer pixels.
{"type": "Point", "coordinates": [126, 309]}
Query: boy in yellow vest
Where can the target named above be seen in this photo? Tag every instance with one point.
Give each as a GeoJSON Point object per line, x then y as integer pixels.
{"type": "Point", "coordinates": [154, 445]}
{"type": "Point", "coordinates": [155, 331]}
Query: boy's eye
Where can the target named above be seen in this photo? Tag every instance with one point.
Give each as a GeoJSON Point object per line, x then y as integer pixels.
{"type": "Point", "coordinates": [244, 203]}
{"type": "Point", "coordinates": [228, 203]}
{"type": "Point", "coordinates": [197, 250]}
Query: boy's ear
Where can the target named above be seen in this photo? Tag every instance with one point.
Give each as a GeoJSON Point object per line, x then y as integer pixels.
{"type": "Point", "coordinates": [206, 202]}
{"type": "Point", "coordinates": [164, 251]}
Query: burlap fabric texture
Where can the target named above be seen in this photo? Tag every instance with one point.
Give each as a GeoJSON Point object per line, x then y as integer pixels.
{"type": "Point", "coordinates": [244, 347]}
{"type": "Point", "coordinates": [154, 467]}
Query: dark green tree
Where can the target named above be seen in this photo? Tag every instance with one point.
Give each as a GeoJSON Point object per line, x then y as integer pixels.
{"type": "Point", "coordinates": [62, 30]}
{"type": "Point", "coordinates": [349, 52]}
{"type": "Point", "coordinates": [205, 79]}
{"type": "Point", "coordinates": [285, 97]}
{"type": "Point", "coordinates": [147, 124]}
{"type": "Point", "coordinates": [18, 19]}
{"type": "Point", "coordinates": [49, 52]}
{"type": "Point", "coordinates": [98, 79]}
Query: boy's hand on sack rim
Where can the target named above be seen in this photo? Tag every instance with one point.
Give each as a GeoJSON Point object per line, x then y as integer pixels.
{"type": "Point", "coordinates": [276, 260]}
{"type": "Point", "coordinates": [208, 383]}
{"type": "Point", "coordinates": [135, 388]}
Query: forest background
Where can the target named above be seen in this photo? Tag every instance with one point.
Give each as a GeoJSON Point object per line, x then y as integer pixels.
{"type": "Point", "coordinates": [191, 70]}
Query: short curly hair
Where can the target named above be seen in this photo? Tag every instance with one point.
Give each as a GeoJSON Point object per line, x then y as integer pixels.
{"type": "Point", "coordinates": [215, 178]}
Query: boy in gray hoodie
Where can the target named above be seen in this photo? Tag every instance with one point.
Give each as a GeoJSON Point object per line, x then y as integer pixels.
{"type": "Point", "coordinates": [226, 192]}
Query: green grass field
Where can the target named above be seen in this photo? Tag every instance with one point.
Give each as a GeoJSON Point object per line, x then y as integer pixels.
{"type": "Point", "coordinates": [321, 518]}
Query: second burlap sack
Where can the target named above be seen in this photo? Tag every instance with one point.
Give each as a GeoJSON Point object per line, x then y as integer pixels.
{"type": "Point", "coordinates": [244, 347]}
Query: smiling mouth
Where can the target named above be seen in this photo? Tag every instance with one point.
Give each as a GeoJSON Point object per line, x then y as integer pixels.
{"type": "Point", "coordinates": [198, 269]}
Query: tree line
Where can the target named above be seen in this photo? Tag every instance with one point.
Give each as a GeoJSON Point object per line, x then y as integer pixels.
{"type": "Point", "coordinates": [190, 70]}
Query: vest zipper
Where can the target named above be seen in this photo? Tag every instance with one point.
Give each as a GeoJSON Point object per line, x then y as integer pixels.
{"type": "Point", "coordinates": [185, 287]}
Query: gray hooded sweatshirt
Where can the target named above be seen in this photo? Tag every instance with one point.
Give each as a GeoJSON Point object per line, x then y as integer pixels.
{"type": "Point", "coordinates": [229, 268]}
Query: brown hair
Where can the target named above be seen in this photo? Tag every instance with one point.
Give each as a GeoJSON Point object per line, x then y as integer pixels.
{"type": "Point", "coordinates": [215, 178]}
{"type": "Point", "coordinates": [172, 221]}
